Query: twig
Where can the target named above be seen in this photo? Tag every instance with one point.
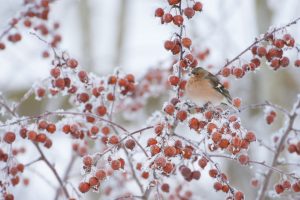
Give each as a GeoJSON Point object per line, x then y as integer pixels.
{"type": "Point", "coordinates": [34, 161]}
{"type": "Point", "coordinates": [3, 104]}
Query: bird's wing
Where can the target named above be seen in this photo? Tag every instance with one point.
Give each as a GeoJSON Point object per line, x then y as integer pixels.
{"type": "Point", "coordinates": [218, 86]}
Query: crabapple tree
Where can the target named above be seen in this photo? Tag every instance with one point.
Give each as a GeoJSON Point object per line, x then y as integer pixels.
{"type": "Point", "coordinates": [181, 144]}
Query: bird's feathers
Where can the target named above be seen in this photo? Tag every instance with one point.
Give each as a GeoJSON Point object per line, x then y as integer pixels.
{"type": "Point", "coordinates": [218, 86]}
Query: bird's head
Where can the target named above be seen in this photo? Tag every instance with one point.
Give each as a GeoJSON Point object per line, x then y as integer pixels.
{"type": "Point", "coordinates": [199, 71]}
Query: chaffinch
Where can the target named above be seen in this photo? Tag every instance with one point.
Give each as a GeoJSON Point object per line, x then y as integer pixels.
{"type": "Point", "coordinates": [203, 87]}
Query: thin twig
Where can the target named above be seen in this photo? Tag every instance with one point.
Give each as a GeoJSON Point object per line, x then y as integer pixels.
{"type": "Point", "coordinates": [34, 161]}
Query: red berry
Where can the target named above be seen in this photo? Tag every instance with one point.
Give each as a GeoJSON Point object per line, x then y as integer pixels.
{"type": "Point", "coordinates": [218, 186]}
{"type": "Point", "coordinates": [292, 148]}
{"type": "Point", "coordinates": [130, 144]}
{"type": "Point", "coordinates": [83, 77]}
{"type": "Point", "coordinates": [72, 63]}
{"type": "Point", "coordinates": [243, 159]}
{"type": "Point", "coordinates": [202, 162]}
{"type": "Point", "coordinates": [173, 2]}
{"type": "Point", "coordinates": [159, 12]}
{"type": "Point", "coordinates": [261, 51]}
{"type": "Point", "coordinates": [165, 187]}
{"type": "Point", "coordinates": [151, 141]}
{"type": "Point", "coordinates": [279, 43]}
{"type": "Point", "coordinates": [87, 161]}
{"type": "Point", "coordinates": [2, 46]}
{"type": "Point", "coordinates": [238, 72]}
{"type": "Point", "coordinates": [174, 80]}
{"type": "Point", "coordinates": [169, 45]}
{"type": "Point", "coordinates": [186, 42]}
{"type": "Point", "coordinates": [250, 136]}
{"type": "Point", "coordinates": [169, 109]}
{"type": "Point", "coordinates": [194, 124]}
{"type": "Point", "coordinates": [9, 137]}
{"type": "Point", "coordinates": [145, 175]}
{"type": "Point", "coordinates": [198, 6]}
{"type": "Point", "coordinates": [159, 128]}
{"type": "Point", "coordinates": [279, 188]}
{"type": "Point", "coordinates": [270, 119]}
{"type": "Point", "coordinates": [286, 184]}
{"type": "Point", "coordinates": [154, 150]}
{"type": "Point", "coordinates": [237, 102]}
{"type": "Point", "coordinates": [189, 12]}
{"type": "Point", "coordinates": [275, 63]}
{"type": "Point", "coordinates": [170, 151]}
{"type": "Point", "coordinates": [8, 196]}
{"type": "Point", "coordinates": [113, 140]}
{"type": "Point", "coordinates": [115, 164]}
{"type": "Point", "coordinates": [196, 175]}
{"type": "Point", "coordinates": [238, 195]}
{"type": "Point", "coordinates": [297, 63]}
{"type": "Point", "coordinates": [51, 128]}
{"type": "Point", "coordinates": [178, 20]}
{"type": "Point", "coordinates": [296, 187]}
{"type": "Point", "coordinates": [213, 173]}
{"type": "Point", "coordinates": [284, 61]}
{"type": "Point", "coordinates": [84, 187]}
{"type": "Point", "coordinates": [100, 174]}
{"type": "Point", "coordinates": [167, 18]}
{"type": "Point", "coordinates": [225, 72]}
{"type": "Point", "coordinates": [93, 181]}
{"type": "Point", "coordinates": [101, 110]}
{"type": "Point", "coordinates": [181, 115]}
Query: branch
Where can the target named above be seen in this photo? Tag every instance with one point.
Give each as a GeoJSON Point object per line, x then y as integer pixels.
{"type": "Point", "coordinates": [290, 123]}
{"type": "Point", "coordinates": [266, 104]}
{"type": "Point", "coordinates": [55, 113]}
{"type": "Point", "coordinates": [266, 35]}
{"type": "Point", "coordinates": [261, 163]}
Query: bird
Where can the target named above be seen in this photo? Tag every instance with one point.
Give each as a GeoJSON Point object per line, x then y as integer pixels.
{"type": "Point", "coordinates": [203, 87]}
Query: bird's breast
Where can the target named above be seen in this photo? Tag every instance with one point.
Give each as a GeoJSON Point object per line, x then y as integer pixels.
{"type": "Point", "coordinates": [201, 92]}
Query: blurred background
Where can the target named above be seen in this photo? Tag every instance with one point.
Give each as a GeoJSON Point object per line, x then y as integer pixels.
{"type": "Point", "coordinates": [103, 35]}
